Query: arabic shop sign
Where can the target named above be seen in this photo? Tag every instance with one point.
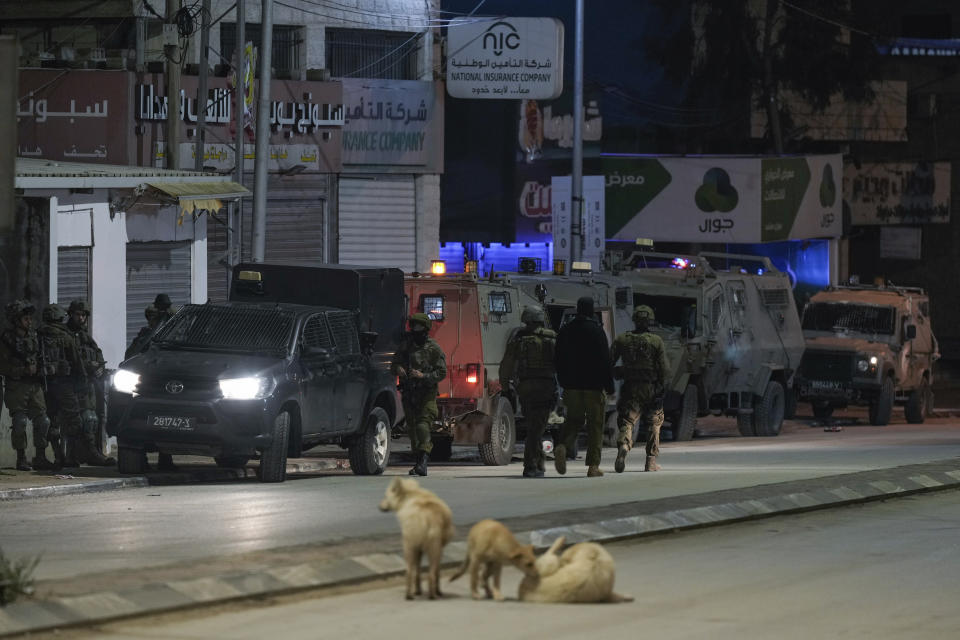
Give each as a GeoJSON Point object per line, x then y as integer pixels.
{"type": "Point", "coordinates": [898, 193]}
{"type": "Point", "coordinates": [392, 122]}
{"type": "Point", "coordinates": [505, 58]}
{"type": "Point", "coordinates": [717, 199]}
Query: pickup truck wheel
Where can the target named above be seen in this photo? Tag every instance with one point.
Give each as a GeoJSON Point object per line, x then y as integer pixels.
{"type": "Point", "coordinates": [916, 408]}
{"type": "Point", "coordinates": [822, 410]}
{"type": "Point", "coordinates": [503, 436]}
{"type": "Point", "coordinates": [882, 406]}
{"type": "Point", "coordinates": [231, 462]}
{"type": "Point", "coordinates": [131, 460]}
{"type": "Point", "coordinates": [442, 449]}
{"type": "Point", "coordinates": [768, 411]}
{"type": "Point", "coordinates": [370, 451]}
{"type": "Point", "coordinates": [685, 419]}
{"type": "Point", "coordinates": [273, 460]}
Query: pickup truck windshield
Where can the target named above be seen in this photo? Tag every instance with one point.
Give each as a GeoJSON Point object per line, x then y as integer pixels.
{"type": "Point", "coordinates": [228, 328]}
{"type": "Point", "coordinates": [834, 316]}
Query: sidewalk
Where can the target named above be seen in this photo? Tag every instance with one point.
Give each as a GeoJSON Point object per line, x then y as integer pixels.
{"type": "Point", "coordinates": [100, 597]}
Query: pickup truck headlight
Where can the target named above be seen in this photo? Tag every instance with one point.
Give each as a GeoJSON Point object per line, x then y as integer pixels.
{"type": "Point", "coordinates": [245, 388]}
{"type": "Point", "coordinates": [867, 365]}
{"type": "Point", "coordinates": [125, 381]}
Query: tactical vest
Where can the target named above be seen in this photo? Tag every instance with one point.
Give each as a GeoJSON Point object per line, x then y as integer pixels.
{"type": "Point", "coordinates": [87, 349]}
{"type": "Point", "coordinates": [535, 354]}
{"type": "Point", "coordinates": [639, 358]}
{"type": "Point", "coordinates": [55, 362]}
{"type": "Point", "coordinates": [24, 348]}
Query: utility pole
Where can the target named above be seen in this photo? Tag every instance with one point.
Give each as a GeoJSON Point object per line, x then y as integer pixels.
{"type": "Point", "coordinates": [769, 86]}
{"type": "Point", "coordinates": [235, 215]}
{"type": "Point", "coordinates": [576, 194]}
{"type": "Point", "coordinates": [172, 54]}
{"type": "Point", "coordinates": [199, 149]}
{"type": "Point", "coordinates": [263, 135]}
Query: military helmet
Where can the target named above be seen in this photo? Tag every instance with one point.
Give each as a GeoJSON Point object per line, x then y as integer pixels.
{"type": "Point", "coordinates": [54, 313]}
{"type": "Point", "coordinates": [17, 309]}
{"type": "Point", "coordinates": [532, 314]}
{"type": "Point", "coordinates": [420, 322]}
{"type": "Point", "coordinates": [643, 312]}
{"type": "Point", "coordinates": [162, 302]}
{"type": "Point", "coordinates": [79, 305]}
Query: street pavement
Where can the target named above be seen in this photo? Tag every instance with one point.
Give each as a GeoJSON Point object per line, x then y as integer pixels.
{"type": "Point", "coordinates": [690, 493]}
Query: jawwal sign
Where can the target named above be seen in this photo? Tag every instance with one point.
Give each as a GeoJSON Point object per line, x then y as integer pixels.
{"type": "Point", "coordinates": [897, 193]}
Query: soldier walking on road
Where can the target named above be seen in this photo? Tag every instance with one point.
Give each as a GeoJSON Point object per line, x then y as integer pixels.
{"type": "Point", "coordinates": [644, 373]}
{"type": "Point", "coordinates": [528, 360]}
{"type": "Point", "coordinates": [22, 367]}
{"type": "Point", "coordinates": [63, 359]}
{"type": "Point", "coordinates": [94, 366]}
{"type": "Point", "coordinates": [420, 365]}
{"type": "Point", "coordinates": [584, 372]}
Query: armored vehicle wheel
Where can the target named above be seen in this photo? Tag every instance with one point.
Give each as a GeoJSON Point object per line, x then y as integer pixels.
{"type": "Point", "coordinates": [882, 406]}
{"type": "Point", "coordinates": [273, 460]}
{"type": "Point", "coordinates": [610, 430]}
{"type": "Point", "coordinates": [370, 451]}
{"type": "Point", "coordinates": [745, 424]}
{"type": "Point", "coordinates": [503, 435]}
{"type": "Point", "coordinates": [821, 410]}
{"type": "Point", "coordinates": [231, 462]}
{"type": "Point", "coordinates": [442, 450]}
{"type": "Point", "coordinates": [685, 419]}
{"type": "Point", "coordinates": [916, 408]}
{"type": "Point", "coordinates": [768, 410]}
{"type": "Point", "coordinates": [131, 460]}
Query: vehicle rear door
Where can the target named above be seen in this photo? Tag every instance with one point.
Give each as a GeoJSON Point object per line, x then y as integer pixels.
{"type": "Point", "coordinates": [350, 387]}
{"type": "Point", "coordinates": [320, 373]}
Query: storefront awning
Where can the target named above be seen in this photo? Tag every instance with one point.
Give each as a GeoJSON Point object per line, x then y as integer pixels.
{"type": "Point", "coordinates": [199, 196]}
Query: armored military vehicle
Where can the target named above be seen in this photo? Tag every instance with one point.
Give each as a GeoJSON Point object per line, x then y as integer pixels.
{"type": "Point", "coordinates": [732, 335]}
{"type": "Point", "coordinates": [868, 345]}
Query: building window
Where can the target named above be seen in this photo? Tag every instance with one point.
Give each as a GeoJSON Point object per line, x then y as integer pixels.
{"type": "Point", "coordinates": [362, 53]}
{"type": "Point", "coordinates": [287, 44]}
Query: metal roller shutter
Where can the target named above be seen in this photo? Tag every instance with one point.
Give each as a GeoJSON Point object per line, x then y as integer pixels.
{"type": "Point", "coordinates": [217, 251]}
{"type": "Point", "coordinates": [152, 268]}
{"type": "Point", "coordinates": [73, 274]}
{"type": "Point", "coordinates": [377, 222]}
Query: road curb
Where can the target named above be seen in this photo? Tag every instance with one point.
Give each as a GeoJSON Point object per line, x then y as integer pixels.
{"type": "Point", "coordinates": [613, 522]}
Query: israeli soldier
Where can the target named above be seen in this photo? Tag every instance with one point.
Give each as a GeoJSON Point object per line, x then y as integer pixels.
{"type": "Point", "coordinates": [420, 365]}
{"type": "Point", "coordinates": [86, 380]}
{"type": "Point", "coordinates": [63, 359]}
{"type": "Point", "coordinates": [164, 307]}
{"type": "Point", "coordinates": [22, 367]}
{"type": "Point", "coordinates": [644, 372]}
{"type": "Point", "coordinates": [528, 362]}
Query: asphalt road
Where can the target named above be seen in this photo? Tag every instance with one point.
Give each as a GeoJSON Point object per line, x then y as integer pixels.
{"type": "Point", "coordinates": [881, 570]}
{"type": "Point", "coordinates": [134, 529]}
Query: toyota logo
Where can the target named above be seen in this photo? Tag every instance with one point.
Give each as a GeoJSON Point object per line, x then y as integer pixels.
{"type": "Point", "coordinates": [174, 386]}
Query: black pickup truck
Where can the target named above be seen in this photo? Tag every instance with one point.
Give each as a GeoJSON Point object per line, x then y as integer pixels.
{"type": "Point", "coordinates": [298, 357]}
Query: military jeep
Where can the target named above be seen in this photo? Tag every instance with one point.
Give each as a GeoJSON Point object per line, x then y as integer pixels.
{"type": "Point", "coordinates": [732, 335]}
{"type": "Point", "coordinates": [868, 345]}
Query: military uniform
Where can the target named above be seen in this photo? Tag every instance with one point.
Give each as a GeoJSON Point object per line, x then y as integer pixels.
{"type": "Point", "coordinates": [419, 353]}
{"type": "Point", "coordinates": [528, 360]}
{"type": "Point", "coordinates": [22, 367]}
{"type": "Point", "coordinates": [86, 381]}
{"type": "Point", "coordinates": [644, 373]}
{"type": "Point", "coordinates": [63, 359]}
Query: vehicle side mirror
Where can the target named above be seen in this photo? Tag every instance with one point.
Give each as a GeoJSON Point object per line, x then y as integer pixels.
{"type": "Point", "coordinates": [910, 331]}
{"type": "Point", "coordinates": [368, 339]}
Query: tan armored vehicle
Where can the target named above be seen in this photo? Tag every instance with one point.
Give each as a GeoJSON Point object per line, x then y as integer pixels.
{"type": "Point", "coordinates": [732, 334]}
{"type": "Point", "coordinates": [868, 345]}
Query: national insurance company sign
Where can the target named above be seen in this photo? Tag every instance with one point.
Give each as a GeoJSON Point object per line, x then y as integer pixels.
{"type": "Point", "coordinates": [505, 58]}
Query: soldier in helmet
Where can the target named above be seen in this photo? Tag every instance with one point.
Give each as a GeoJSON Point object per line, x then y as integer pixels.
{"type": "Point", "coordinates": [528, 361]}
{"type": "Point", "coordinates": [87, 379]}
{"type": "Point", "coordinates": [164, 307]}
{"type": "Point", "coordinates": [644, 372]}
{"type": "Point", "coordinates": [22, 367]}
{"type": "Point", "coordinates": [420, 365]}
{"type": "Point", "coordinates": [63, 359]}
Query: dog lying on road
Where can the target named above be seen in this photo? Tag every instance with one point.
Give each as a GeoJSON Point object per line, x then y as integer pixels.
{"type": "Point", "coordinates": [583, 573]}
{"type": "Point", "coordinates": [490, 545]}
{"type": "Point", "coordinates": [426, 525]}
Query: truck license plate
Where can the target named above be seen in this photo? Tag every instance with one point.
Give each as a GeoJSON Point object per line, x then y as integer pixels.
{"type": "Point", "coordinates": [174, 423]}
{"type": "Point", "coordinates": [824, 385]}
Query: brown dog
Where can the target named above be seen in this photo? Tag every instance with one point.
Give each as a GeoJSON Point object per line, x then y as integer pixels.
{"type": "Point", "coordinates": [491, 545]}
{"type": "Point", "coordinates": [583, 573]}
{"type": "Point", "coordinates": [426, 525]}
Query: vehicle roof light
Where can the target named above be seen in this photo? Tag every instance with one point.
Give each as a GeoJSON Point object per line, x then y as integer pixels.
{"type": "Point", "coordinates": [438, 267]}
{"type": "Point", "coordinates": [252, 276]}
{"type": "Point", "coordinates": [581, 267]}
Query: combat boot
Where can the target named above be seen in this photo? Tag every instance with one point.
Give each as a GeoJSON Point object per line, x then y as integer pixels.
{"type": "Point", "coordinates": [560, 459]}
{"type": "Point", "coordinates": [621, 462]}
{"type": "Point", "coordinates": [95, 458]}
{"type": "Point", "coordinates": [22, 464]}
{"type": "Point", "coordinates": [71, 461]}
{"type": "Point", "coordinates": [420, 469]}
{"type": "Point", "coordinates": [40, 462]}
{"type": "Point", "coordinates": [593, 471]}
{"type": "Point", "coordinates": [59, 460]}
{"type": "Point", "coordinates": [651, 464]}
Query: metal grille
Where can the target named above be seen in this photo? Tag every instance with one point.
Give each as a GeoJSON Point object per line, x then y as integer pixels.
{"type": "Point", "coordinates": [152, 268]}
{"type": "Point", "coordinates": [73, 274]}
{"type": "Point", "coordinates": [832, 316]}
{"type": "Point", "coordinates": [229, 327]}
{"type": "Point", "coordinates": [378, 221]}
{"type": "Point", "coordinates": [826, 366]}
{"type": "Point", "coordinates": [344, 334]}
{"type": "Point", "coordinates": [287, 41]}
{"type": "Point", "coordinates": [316, 334]}
{"type": "Point", "coordinates": [775, 297]}
{"type": "Point", "coordinates": [363, 53]}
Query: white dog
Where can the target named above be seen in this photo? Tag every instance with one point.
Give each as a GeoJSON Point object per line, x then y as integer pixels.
{"type": "Point", "coordinates": [583, 573]}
